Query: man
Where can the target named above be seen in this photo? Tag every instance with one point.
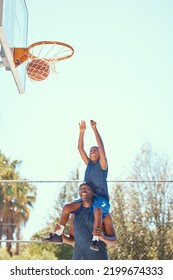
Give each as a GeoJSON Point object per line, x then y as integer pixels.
{"type": "Point", "coordinates": [81, 229]}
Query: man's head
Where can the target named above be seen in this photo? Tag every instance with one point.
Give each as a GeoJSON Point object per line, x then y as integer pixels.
{"type": "Point", "coordinates": [86, 191]}
{"type": "Point", "coordinates": [94, 153]}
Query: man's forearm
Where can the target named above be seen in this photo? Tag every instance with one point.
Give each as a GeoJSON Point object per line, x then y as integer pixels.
{"type": "Point", "coordinates": [109, 240]}
{"type": "Point", "coordinates": [68, 239]}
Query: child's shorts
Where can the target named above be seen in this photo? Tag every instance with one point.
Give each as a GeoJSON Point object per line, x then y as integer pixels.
{"type": "Point", "coordinates": [102, 203]}
{"type": "Point", "coordinates": [98, 202]}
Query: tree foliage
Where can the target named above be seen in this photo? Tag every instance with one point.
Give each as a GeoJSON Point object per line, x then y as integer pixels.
{"type": "Point", "coordinates": [16, 199]}
{"type": "Point", "coordinates": [143, 209]}
{"type": "Point", "coordinates": [67, 193]}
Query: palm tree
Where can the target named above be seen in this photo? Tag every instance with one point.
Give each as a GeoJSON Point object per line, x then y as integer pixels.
{"type": "Point", "coordinates": [25, 196]}
{"type": "Point", "coordinates": [15, 201]}
{"type": "Point", "coordinates": [6, 171]}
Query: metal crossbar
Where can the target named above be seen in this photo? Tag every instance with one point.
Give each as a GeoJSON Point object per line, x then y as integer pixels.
{"type": "Point", "coordinates": [22, 241]}
{"type": "Point", "coordinates": [77, 181]}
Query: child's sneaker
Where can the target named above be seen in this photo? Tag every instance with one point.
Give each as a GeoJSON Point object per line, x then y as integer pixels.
{"type": "Point", "coordinates": [53, 238]}
{"type": "Point", "coordinates": [95, 245]}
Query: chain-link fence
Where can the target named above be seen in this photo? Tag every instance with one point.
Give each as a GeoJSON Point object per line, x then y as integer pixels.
{"type": "Point", "coordinates": [141, 211]}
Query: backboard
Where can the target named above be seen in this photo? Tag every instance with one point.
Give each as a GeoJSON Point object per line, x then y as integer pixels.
{"type": "Point", "coordinates": [13, 34]}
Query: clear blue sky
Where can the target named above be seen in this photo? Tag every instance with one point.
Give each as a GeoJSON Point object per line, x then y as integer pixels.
{"type": "Point", "coordinates": [120, 76]}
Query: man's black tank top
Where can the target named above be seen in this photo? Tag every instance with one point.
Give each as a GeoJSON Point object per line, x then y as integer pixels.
{"type": "Point", "coordinates": [83, 227]}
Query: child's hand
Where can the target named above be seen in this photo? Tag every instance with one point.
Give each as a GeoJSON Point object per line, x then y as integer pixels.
{"type": "Point", "coordinates": [82, 126]}
{"type": "Point", "coordinates": [93, 124]}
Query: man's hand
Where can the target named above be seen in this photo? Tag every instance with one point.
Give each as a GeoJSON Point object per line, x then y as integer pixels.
{"type": "Point", "coordinates": [57, 227]}
{"type": "Point", "coordinates": [98, 232]}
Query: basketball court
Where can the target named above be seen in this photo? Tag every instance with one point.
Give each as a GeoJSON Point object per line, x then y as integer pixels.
{"type": "Point", "coordinates": [38, 59]}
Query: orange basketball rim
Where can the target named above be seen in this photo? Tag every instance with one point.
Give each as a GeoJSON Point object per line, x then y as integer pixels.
{"type": "Point", "coordinates": [42, 57]}
{"type": "Point", "coordinates": [52, 51]}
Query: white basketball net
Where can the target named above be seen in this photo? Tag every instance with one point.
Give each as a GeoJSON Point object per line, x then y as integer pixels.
{"type": "Point", "coordinates": [50, 54]}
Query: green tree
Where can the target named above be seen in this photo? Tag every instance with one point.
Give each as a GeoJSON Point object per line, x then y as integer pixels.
{"type": "Point", "coordinates": [15, 201]}
{"type": "Point", "coordinates": [67, 193]}
{"type": "Point", "coordinates": [27, 253]}
{"type": "Point", "coordinates": [143, 210]}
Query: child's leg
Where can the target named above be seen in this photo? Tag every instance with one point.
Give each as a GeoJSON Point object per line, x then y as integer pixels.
{"type": "Point", "coordinates": [97, 221]}
{"type": "Point", "coordinates": [59, 228]}
{"type": "Point", "coordinates": [67, 209]}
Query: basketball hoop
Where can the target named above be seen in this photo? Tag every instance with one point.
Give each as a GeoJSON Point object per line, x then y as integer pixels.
{"type": "Point", "coordinates": [42, 56]}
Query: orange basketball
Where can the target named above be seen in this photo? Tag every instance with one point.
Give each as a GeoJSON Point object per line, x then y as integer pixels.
{"type": "Point", "coordinates": [38, 69]}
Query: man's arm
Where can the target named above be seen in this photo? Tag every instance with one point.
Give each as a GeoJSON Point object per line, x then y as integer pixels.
{"type": "Point", "coordinates": [108, 234]}
{"type": "Point", "coordinates": [103, 159]}
{"type": "Point", "coordinates": [82, 127]}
